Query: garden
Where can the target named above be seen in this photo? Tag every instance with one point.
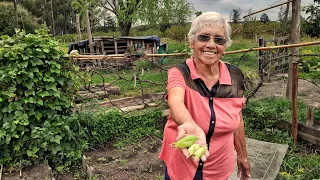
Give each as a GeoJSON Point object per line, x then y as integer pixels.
{"type": "Point", "coordinates": [45, 133]}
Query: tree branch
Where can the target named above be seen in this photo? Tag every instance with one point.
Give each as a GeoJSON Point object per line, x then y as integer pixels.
{"type": "Point", "coordinates": [111, 8]}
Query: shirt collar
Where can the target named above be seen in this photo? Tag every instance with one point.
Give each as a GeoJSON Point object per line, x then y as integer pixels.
{"type": "Point", "coordinates": [224, 72]}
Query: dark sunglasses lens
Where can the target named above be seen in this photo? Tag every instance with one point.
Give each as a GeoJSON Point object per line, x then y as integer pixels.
{"type": "Point", "coordinates": [219, 41]}
{"type": "Point", "coordinates": [204, 38]}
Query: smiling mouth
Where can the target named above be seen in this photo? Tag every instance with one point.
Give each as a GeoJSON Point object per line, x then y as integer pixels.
{"type": "Point", "coordinates": [209, 52]}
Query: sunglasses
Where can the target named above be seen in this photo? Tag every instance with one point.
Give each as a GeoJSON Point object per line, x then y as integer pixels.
{"type": "Point", "coordinates": [206, 38]}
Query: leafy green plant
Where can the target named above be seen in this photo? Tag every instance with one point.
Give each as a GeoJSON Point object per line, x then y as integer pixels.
{"type": "Point", "coordinates": [297, 166]}
{"type": "Point", "coordinates": [261, 115]}
{"type": "Point", "coordinates": [143, 64]}
{"type": "Point", "coordinates": [310, 67]}
{"type": "Point", "coordinates": [103, 125]}
{"type": "Point", "coordinates": [36, 89]}
{"type": "Point", "coordinates": [178, 33]}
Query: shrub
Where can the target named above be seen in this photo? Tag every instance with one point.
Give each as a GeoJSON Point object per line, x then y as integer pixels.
{"type": "Point", "coordinates": [148, 32]}
{"type": "Point", "coordinates": [104, 125]}
{"type": "Point", "coordinates": [36, 89]}
{"type": "Point", "coordinates": [178, 33]}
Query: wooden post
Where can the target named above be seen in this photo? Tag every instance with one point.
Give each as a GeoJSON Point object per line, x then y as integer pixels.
{"type": "Point", "coordinates": [115, 47]}
{"type": "Point", "coordinates": [310, 117]}
{"type": "Point", "coordinates": [269, 68]}
{"type": "Point", "coordinates": [102, 47]}
{"type": "Point", "coordinates": [295, 38]}
{"type": "Point", "coordinates": [143, 45]}
{"type": "Point", "coordinates": [154, 49]}
{"type": "Point", "coordinates": [261, 44]}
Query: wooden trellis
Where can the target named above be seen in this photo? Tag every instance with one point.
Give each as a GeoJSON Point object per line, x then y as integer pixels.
{"type": "Point", "coordinates": [273, 61]}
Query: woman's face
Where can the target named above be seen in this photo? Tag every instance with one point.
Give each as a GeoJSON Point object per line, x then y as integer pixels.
{"type": "Point", "coordinates": [209, 51]}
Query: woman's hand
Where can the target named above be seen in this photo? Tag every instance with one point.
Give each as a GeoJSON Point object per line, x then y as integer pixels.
{"type": "Point", "coordinates": [244, 169]}
{"type": "Point", "coordinates": [192, 129]}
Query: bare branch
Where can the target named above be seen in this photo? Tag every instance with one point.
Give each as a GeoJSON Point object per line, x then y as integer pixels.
{"type": "Point", "coordinates": [111, 8]}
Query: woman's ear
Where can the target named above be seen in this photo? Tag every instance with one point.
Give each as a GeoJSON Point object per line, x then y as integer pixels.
{"type": "Point", "coordinates": [191, 44]}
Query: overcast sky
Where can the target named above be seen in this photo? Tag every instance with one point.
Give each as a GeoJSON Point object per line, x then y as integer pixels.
{"type": "Point", "coordinates": [225, 6]}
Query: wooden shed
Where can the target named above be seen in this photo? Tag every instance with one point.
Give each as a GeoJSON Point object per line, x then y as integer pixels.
{"type": "Point", "coordinates": [106, 45]}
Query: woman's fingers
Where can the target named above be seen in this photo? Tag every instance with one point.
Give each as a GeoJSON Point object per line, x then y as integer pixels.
{"type": "Point", "coordinates": [185, 152]}
{"type": "Point", "coordinates": [181, 134]}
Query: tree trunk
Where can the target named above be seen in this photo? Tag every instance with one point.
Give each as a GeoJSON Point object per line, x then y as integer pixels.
{"type": "Point", "coordinates": [286, 13]}
{"type": "Point", "coordinates": [78, 27]}
{"type": "Point", "coordinates": [52, 17]}
{"type": "Point", "coordinates": [15, 13]}
{"type": "Point", "coordinates": [295, 38]}
{"type": "Point", "coordinates": [125, 28]}
{"type": "Point", "coordinates": [89, 32]}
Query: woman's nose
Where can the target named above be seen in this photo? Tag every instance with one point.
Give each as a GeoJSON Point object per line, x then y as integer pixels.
{"type": "Point", "coordinates": [211, 43]}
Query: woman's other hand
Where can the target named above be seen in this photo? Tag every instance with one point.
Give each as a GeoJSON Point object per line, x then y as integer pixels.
{"type": "Point", "coordinates": [189, 128]}
{"type": "Point", "coordinates": [244, 169]}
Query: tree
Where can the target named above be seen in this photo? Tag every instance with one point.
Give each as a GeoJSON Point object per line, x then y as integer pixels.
{"type": "Point", "coordinates": [236, 15]}
{"type": "Point", "coordinates": [312, 23]}
{"type": "Point", "coordinates": [198, 13]}
{"type": "Point", "coordinates": [284, 17]}
{"type": "Point", "coordinates": [61, 15]}
{"type": "Point", "coordinates": [149, 12]}
{"type": "Point", "coordinates": [83, 6]}
{"type": "Point", "coordinates": [264, 18]}
{"type": "Point", "coordinates": [7, 19]}
{"type": "Point", "coordinates": [109, 23]}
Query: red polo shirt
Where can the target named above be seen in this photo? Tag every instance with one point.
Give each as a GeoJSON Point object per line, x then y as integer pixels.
{"type": "Point", "coordinates": [224, 115]}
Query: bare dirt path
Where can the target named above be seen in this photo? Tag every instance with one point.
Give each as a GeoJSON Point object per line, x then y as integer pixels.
{"type": "Point", "coordinates": [307, 91]}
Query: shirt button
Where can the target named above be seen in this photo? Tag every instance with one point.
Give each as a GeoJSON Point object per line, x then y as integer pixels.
{"type": "Point", "coordinates": [212, 122]}
{"type": "Point", "coordinates": [200, 164]}
{"type": "Point", "coordinates": [210, 98]}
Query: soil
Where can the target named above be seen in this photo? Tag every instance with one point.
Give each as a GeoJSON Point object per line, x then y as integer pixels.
{"type": "Point", "coordinates": [37, 172]}
{"type": "Point", "coordinates": [140, 161]}
{"type": "Point", "coordinates": [308, 92]}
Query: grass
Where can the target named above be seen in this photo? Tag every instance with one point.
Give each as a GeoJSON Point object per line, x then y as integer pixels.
{"type": "Point", "coordinates": [150, 82]}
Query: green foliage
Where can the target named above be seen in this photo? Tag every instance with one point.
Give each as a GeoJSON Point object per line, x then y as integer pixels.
{"type": "Point", "coordinates": [165, 12]}
{"type": "Point", "coordinates": [312, 25]}
{"type": "Point", "coordinates": [127, 85]}
{"type": "Point", "coordinates": [102, 126]}
{"type": "Point", "coordinates": [67, 38]}
{"type": "Point", "coordinates": [178, 33]}
{"type": "Point", "coordinates": [261, 115]}
{"type": "Point", "coordinates": [297, 166]}
{"type": "Point", "coordinates": [35, 101]}
{"type": "Point", "coordinates": [252, 28]}
{"type": "Point", "coordinates": [8, 21]}
{"type": "Point", "coordinates": [142, 64]}
{"type": "Point", "coordinates": [309, 66]}
{"type": "Point", "coordinates": [147, 32]}
{"type": "Point", "coordinates": [57, 12]}
{"type": "Point", "coordinates": [176, 47]}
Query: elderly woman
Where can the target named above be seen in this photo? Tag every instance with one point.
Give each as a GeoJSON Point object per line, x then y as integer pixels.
{"type": "Point", "coordinates": [205, 96]}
